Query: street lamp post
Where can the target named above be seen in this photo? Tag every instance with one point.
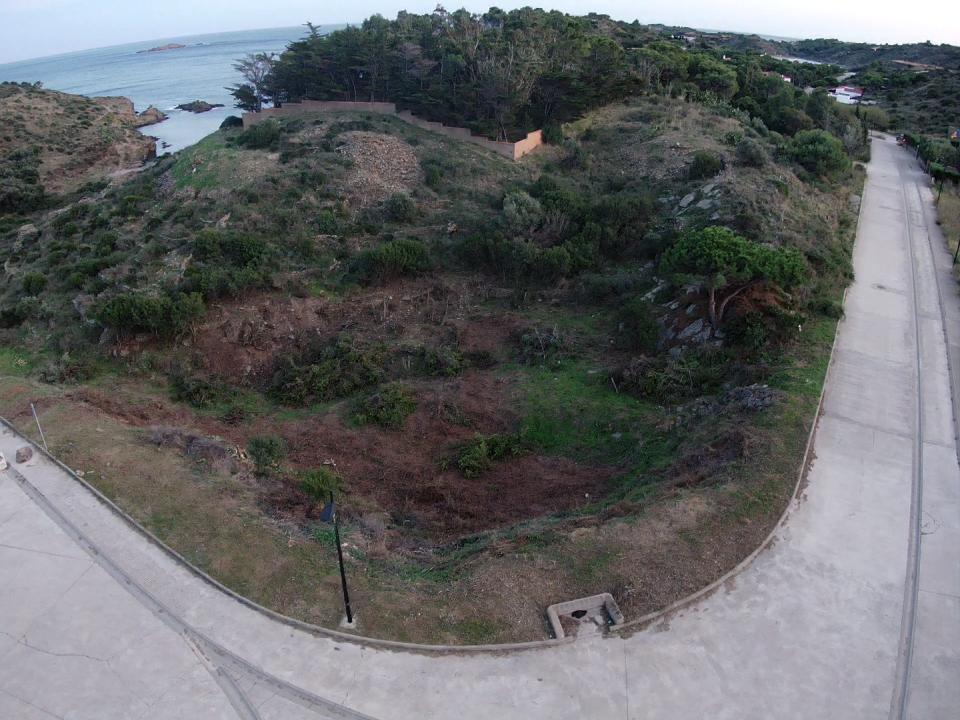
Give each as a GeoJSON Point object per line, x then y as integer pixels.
{"type": "Point", "coordinates": [330, 514]}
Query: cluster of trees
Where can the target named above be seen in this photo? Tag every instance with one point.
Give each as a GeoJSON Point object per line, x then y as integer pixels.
{"type": "Point", "coordinates": [506, 73]}
{"type": "Point", "coordinates": [500, 73]}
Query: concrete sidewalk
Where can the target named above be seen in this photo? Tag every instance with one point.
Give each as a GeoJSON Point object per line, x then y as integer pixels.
{"type": "Point", "coordinates": [98, 622]}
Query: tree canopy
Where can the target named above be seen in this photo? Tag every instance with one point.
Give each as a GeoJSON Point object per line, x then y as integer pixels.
{"type": "Point", "coordinates": [726, 264]}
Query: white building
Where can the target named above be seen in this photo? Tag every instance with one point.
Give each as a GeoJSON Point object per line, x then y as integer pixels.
{"type": "Point", "coordinates": [847, 94]}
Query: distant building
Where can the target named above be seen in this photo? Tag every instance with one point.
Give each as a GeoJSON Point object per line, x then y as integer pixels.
{"type": "Point", "coordinates": [847, 94]}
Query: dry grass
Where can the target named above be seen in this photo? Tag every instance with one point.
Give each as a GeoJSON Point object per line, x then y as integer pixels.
{"type": "Point", "coordinates": [948, 215]}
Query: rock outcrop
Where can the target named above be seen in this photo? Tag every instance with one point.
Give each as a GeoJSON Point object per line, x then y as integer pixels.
{"type": "Point", "coordinates": [162, 48]}
{"type": "Point", "coordinates": [199, 106]}
{"type": "Point", "coordinates": [150, 116]}
{"type": "Point", "coordinates": [79, 139]}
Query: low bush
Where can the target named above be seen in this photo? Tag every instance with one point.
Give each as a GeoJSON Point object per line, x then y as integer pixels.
{"type": "Point", "coordinates": [477, 456]}
{"type": "Point", "coordinates": [266, 451]}
{"type": "Point", "coordinates": [751, 153]}
{"type": "Point", "coordinates": [705, 165]}
{"type": "Point", "coordinates": [333, 371]}
{"type": "Point", "coordinates": [231, 121]}
{"type": "Point", "coordinates": [226, 263]}
{"type": "Point", "coordinates": [319, 483]}
{"type": "Point", "coordinates": [669, 381]}
{"type": "Point", "coordinates": [638, 326]}
{"type": "Point", "coordinates": [391, 259]}
{"type": "Point", "coordinates": [262, 136]}
{"type": "Point", "coordinates": [401, 208]}
{"type": "Point", "coordinates": [388, 407]}
{"type": "Point", "coordinates": [198, 392]}
{"type": "Point", "coordinates": [166, 314]}
{"type": "Point", "coordinates": [20, 187]}
{"type": "Point", "coordinates": [34, 283]}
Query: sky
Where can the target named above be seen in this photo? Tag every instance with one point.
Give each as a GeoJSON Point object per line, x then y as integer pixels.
{"type": "Point", "coordinates": [36, 28]}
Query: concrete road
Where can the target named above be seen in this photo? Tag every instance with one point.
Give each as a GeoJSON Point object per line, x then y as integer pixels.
{"type": "Point", "coordinates": [853, 612]}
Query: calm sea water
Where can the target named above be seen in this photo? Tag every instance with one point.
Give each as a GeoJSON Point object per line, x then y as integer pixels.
{"type": "Point", "coordinates": [201, 71]}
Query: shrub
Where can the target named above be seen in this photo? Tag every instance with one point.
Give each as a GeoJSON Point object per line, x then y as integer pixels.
{"type": "Point", "coordinates": [160, 315]}
{"type": "Point", "coordinates": [751, 153]}
{"type": "Point", "coordinates": [262, 136]}
{"type": "Point", "coordinates": [34, 283]}
{"type": "Point", "coordinates": [20, 188]}
{"type": "Point", "coordinates": [392, 259]}
{"type": "Point", "coordinates": [197, 392]}
{"type": "Point", "coordinates": [818, 152]}
{"type": "Point", "coordinates": [704, 165]}
{"type": "Point", "coordinates": [401, 208]}
{"type": "Point", "coordinates": [231, 121]}
{"type": "Point", "coordinates": [639, 327]}
{"type": "Point", "coordinates": [477, 456]}
{"type": "Point", "coordinates": [388, 407]}
{"type": "Point", "coordinates": [224, 264]}
{"type": "Point", "coordinates": [522, 212]}
{"type": "Point", "coordinates": [552, 134]}
{"type": "Point", "coordinates": [129, 206]}
{"type": "Point", "coordinates": [266, 451]}
{"type": "Point", "coordinates": [432, 175]}
{"type": "Point", "coordinates": [673, 380]}
{"type": "Point", "coordinates": [334, 371]}
{"type": "Point", "coordinates": [319, 483]}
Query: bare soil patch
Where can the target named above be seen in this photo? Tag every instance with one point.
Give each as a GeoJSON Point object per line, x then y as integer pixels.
{"type": "Point", "coordinates": [382, 165]}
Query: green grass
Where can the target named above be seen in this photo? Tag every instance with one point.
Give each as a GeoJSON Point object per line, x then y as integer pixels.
{"type": "Point", "coordinates": [17, 363]}
{"type": "Point", "coordinates": [576, 413]}
{"type": "Point", "coordinates": [208, 165]}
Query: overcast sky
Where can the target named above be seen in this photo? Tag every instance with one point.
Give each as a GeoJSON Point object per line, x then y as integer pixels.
{"type": "Point", "coordinates": [35, 28]}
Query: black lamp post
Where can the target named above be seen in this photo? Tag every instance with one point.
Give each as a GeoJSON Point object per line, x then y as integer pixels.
{"type": "Point", "coordinates": [330, 514]}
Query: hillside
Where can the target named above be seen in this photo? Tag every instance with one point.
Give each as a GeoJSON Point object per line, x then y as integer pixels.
{"type": "Point", "coordinates": [483, 355]}
{"type": "Point", "coordinates": [67, 140]}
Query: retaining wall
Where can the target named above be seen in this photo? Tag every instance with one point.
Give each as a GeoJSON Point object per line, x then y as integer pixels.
{"type": "Point", "coordinates": [514, 151]}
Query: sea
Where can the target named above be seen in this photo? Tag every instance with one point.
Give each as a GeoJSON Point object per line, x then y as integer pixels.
{"type": "Point", "coordinates": [203, 70]}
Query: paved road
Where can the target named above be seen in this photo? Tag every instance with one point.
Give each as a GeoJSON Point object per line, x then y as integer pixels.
{"type": "Point", "coordinates": [854, 612]}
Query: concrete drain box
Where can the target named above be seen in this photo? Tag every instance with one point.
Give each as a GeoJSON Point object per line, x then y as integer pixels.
{"type": "Point", "coordinates": [600, 611]}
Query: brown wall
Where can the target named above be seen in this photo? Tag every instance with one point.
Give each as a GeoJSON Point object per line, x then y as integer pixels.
{"type": "Point", "coordinates": [514, 151]}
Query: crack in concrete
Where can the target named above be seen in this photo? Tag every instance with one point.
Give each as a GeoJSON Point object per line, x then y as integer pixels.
{"type": "Point", "coordinates": [33, 705]}
{"type": "Point", "coordinates": [43, 552]}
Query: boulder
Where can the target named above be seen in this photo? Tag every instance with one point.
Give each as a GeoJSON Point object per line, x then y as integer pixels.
{"type": "Point", "coordinates": [687, 199]}
{"type": "Point", "coordinates": [24, 454]}
{"type": "Point", "coordinates": [691, 330]}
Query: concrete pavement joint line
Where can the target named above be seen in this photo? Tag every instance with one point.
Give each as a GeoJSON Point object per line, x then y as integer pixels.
{"type": "Point", "coordinates": [898, 701]}
{"type": "Point", "coordinates": [868, 426]}
{"type": "Point", "coordinates": [40, 552]}
{"type": "Point", "coordinates": [234, 694]}
{"type": "Point", "coordinates": [170, 619]}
